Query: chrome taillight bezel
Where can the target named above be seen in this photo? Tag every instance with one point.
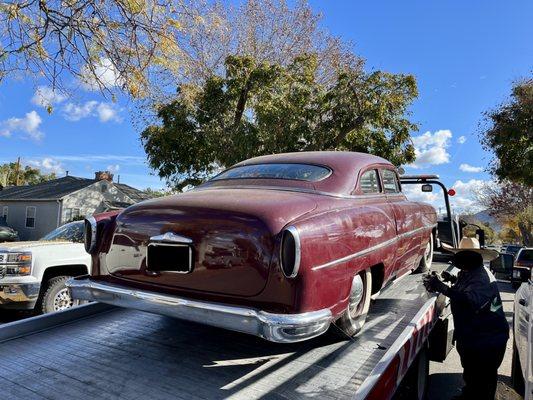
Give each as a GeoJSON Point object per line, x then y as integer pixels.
{"type": "Point", "coordinates": [294, 241]}
{"type": "Point", "coordinates": [90, 234]}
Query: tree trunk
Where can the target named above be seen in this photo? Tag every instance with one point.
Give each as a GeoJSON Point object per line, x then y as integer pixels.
{"type": "Point", "coordinates": [527, 234]}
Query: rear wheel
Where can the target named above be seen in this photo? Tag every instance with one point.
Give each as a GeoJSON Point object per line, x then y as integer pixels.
{"type": "Point", "coordinates": [353, 318]}
{"type": "Point", "coordinates": [414, 385]}
{"type": "Point", "coordinates": [427, 258]}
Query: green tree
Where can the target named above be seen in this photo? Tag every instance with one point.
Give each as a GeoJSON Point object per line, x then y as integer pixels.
{"type": "Point", "coordinates": [154, 193]}
{"type": "Point", "coordinates": [12, 174]}
{"type": "Point", "coordinates": [509, 136]}
{"type": "Point", "coordinates": [260, 108]}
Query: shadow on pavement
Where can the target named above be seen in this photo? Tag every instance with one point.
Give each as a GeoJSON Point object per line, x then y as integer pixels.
{"type": "Point", "coordinates": [440, 383]}
{"type": "Point", "coordinates": [13, 315]}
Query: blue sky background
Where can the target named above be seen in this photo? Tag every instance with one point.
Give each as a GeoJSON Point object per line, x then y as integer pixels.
{"type": "Point", "coordinates": [465, 56]}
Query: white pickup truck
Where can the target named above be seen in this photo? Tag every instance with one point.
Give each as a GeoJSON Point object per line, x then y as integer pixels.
{"type": "Point", "coordinates": [33, 274]}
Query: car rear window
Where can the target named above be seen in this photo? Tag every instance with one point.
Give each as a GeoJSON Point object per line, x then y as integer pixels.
{"type": "Point", "coordinates": [301, 172]}
{"type": "Point", "coordinates": [525, 255]}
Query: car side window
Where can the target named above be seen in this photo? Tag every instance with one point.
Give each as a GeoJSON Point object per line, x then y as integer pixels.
{"type": "Point", "coordinates": [369, 182]}
{"type": "Point", "coordinates": [390, 181]}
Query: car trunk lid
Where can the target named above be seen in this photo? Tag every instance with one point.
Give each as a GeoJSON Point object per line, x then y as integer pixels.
{"type": "Point", "coordinates": [230, 235]}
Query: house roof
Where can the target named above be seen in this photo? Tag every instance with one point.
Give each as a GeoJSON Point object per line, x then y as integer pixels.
{"type": "Point", "coordinates": [58, 188]}
{"type": "Point", "coordinates": [134, 194]}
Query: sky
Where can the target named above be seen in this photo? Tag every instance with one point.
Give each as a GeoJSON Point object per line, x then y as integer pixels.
{"type": "Point", "coordinates": [464, 55]}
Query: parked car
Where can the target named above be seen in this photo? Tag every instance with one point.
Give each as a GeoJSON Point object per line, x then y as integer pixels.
{"type": "Point", "coordinates": [511, 249]}
{"type": "Point", "coordinates": [33, 274]}
{"type": "Point", "coordinates": [7, 234]}
{"type": "Point", "coordinates": [278, 246]}
{"type": "Point", "coordinates": [522, 266]}
{"type": "Point", "coordinates": [522, 364]}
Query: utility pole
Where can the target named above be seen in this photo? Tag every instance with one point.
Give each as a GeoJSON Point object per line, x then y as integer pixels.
{"type": "Point", "coordinates": [17, 170]}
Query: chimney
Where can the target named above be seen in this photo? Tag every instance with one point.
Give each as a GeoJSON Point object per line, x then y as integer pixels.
{"type": "Point", "coordinates": [103, 175]}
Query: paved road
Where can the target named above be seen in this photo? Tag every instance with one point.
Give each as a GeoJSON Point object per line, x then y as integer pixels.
{"type": "Point", "coordinates": [445, 378]}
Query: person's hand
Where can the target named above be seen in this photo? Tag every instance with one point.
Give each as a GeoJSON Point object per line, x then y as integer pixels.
{"type": "Point", "coordinates": [433, 284]}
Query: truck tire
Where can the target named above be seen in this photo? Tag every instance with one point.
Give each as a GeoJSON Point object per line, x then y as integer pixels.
{"type": "Point", "coordinates": [415, 385]}
{"type": "Point", "coordinates": [517, 378]}
{"type": "Point", "coordinates": [57, 296]}
{"type": "Point", "coordinates": [427, 258]}
{"type": "Point", "coordinates": [353, 318]}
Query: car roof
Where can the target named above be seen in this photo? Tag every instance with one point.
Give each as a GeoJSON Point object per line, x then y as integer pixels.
{"type": "Point", "coordinates": [345, 165]}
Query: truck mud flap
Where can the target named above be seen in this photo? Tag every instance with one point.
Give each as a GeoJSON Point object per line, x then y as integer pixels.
{"type": "Point", "coordinates": [441, 339]}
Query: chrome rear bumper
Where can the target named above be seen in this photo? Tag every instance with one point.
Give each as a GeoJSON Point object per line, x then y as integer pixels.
{"type": "Point", "coordinates": [280, 328]}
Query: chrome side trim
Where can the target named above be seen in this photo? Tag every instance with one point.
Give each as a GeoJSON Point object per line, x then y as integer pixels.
{"type": "Point", "coordinates": [171, 237]}
{"type": "Point", "coordinates": [280, 328]}
{"type": "Point", "coordinates": [355, 255]}
{"type": "Point", "coordinates": [370, 249]}
{"type": "Point", "coordinates": [298, 252]}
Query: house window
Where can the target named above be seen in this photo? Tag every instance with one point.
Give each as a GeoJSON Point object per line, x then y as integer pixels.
{"type": "Point", "coordinates": [5, 212]}
{"type": "Point", "coordinates": [72, 214]}
{"type": "Point", "coordinates": [31, 211]}
{"type": "Point", "coordinates": [370, 182]}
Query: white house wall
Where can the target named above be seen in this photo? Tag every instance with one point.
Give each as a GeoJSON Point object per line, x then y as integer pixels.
{"type": "Point", "coordinates": [46, 213]}
{"type": "Point", "coordinates": [91, 199]}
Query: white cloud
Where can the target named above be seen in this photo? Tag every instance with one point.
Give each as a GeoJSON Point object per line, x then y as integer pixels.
{"type": "Point", "coordinates": [465, 199]}
{"type": "Point", "coordinates": [103, 73]}
{"type": "Point", "coordinates": [74, 112]}
{"type": "Point", "coordinates": [431, 148]}
{"type": "Point", "coordinates": [461, 139]}
{"type": "Point", "coordinates": [470, 168]}
{"type": "Point", "coordinates": [28, 125]}
{"type": "Point", "coordinates": [48, 165]}
{"type": "Point", "coordinates": [104, 111]}
{"type": "Point", "coordinates": [99, 158]}
{"type": "Point", "coordinates": [466, 192]}
{"type": "Point", "coordinates": [107, 112]}
{"type": "Point", "coordinates": [45, 96]}
{"type": "Point", "coordinates": [414, 193]}
{"type": "Point", "coordinates": [113, 168]}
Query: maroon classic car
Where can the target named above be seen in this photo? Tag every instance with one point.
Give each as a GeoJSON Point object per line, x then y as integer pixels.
{"type": "Point", "coordinates": [278, 246]}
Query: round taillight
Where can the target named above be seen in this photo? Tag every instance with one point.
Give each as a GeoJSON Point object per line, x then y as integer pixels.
{"type": "Point", "coordinates": [89, 235]}
{"type": "Point", "coordinates": [290, 252]}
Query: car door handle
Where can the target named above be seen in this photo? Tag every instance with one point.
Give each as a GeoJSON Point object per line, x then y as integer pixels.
{"type": "Point", "coordinates": [522, 302]}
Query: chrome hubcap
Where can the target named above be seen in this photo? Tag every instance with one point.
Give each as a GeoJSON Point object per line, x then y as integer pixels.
{"type": "Point", "coordinates": [356, 294]}
{"type": "Point", "coordinates": [63, 300]}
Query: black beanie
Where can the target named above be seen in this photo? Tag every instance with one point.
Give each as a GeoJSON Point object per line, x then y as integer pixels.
{"type": "Point", "coordinates": [467, 259]}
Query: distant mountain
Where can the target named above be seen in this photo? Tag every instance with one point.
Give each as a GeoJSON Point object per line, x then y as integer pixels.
{"type": "Point", "coordinates": [486, 218]}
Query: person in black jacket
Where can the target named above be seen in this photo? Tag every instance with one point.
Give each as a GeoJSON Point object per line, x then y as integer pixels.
{"type": "Point", "coordinates": [481, 329]}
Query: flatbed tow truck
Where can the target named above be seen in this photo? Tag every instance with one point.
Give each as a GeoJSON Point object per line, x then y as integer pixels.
{"type": "Point", "coordinates": [97, 351]}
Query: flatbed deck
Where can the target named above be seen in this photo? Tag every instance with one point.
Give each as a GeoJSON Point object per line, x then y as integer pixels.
{"type": "Point", "coordinates": [128, 354]}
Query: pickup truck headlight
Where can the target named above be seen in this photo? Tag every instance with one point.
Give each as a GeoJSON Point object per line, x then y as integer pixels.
{"type": "Point", "coordinates": [17, 264]}
{"type": "Point", "coordinates": [89, 236]}
{"type": "Point", "coordinates": [290, 252]}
